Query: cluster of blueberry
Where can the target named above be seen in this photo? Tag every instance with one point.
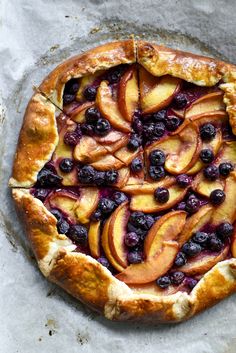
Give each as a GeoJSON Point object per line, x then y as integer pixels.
{"type": "Point", "coordinates": [107, 205]}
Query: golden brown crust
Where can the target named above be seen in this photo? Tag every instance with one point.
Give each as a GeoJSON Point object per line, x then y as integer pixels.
{"type": "Point", "coordinates": [99, 58]}
{"type": "Point", "coordinates": [37, 141]}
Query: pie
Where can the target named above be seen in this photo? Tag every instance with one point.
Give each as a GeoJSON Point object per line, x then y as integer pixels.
{"type": "Point", "coordinates": [125, 179]}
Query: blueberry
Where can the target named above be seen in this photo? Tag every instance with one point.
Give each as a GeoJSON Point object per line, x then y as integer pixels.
{"type": "Point", "coordinates": [177, 277]}
{"type": "Point", "coordinates": [206, 155]}
{"type": "Point", "coordinates": [71, 86]}
{"type": "Point", "coordinates": [139, 231]}
{"type": "Point", "coordinates": [131, 239]}
{"type": "Point", "coordinates": [102, 127]}
{"type": "Point", "coordinates": [161, 195]}
{"type": "Point", "coordinates": [136, 165]}
{"type": "Point", "coordinates": [90, 93]}
{"type": "Point", "coordinates": [137, 125]}
{"type": "Point", "coordinates": [63, 226]}
{"type": "Point", "coordinates": [47, 178]}
{"type": "Point", "coordinates": [137, 218]}
{"type": "Point", "coordinates": [86, 174]}
{"type": "Point", "coordinates": [183, 180]}
{"type": "Point", "coordinates": [134, 257]}
{"type": "Point", "coordinates": [96, 216]}
{"type": "Point", "coordinates": [71, 138]}
{"type": "Point", "coordinates": [191, 282]}
{"type": "Point", "coordinates": [217, 197]}
{"type": "Point", "coordinates": [103, 261]}
{"type": "Point", "coordinates": [153, 130]}
{"type": "Point", "coordinates": [192, 204]}
{"type": "Point", "coordinates": [41, 194]}
{"type": "Point", "coordinates": [114, 75]}
{"type": "Point", "coordinates": [172, 123]}
{"type": "Point", "coordinates": [180, 100]}
{"type": "Point", "coordinates": [111, 176]}
{"type": "Point", "coordinates": [159, 116]}
{"type": "Point", "coordinates": [119, 197]}
{"type": "Point", "coordinates": [99, 178]}
{"type": "Point", "coordinates": [207, 132]}
{"type": "Point", "coordinates": [201, 238]}
{"type": "Point", "coordinates": [106, 205]}
{"type": "Point", "coordinates": [156, 172]}
{"type": "Point", "coordinates": [225, 230]}
{"type": "Point", "coordinates": [78, 234]}
{"type": "Point", "coordinates": [92, 115]}
{"type": "Point", "coordinates": [149, 221]}
{"type": "Point", "coordinates": [225, 168]}
{"type": "Point", "coordinates": [56, 213]}
{"type": "Point", "coordinates": [66, 165]}
{"type": "Point", "coordinates": [181, 206]}
{"type": "Point", "coordinates": [191, 249]}
{"type": "Point", "coordinates": [214, 243]}
{"type": "Point", "coordinates": [134, 142]}
{"type": "Point", "coordinates": [68, 98]}
{"type": "Point", "coordinates": [87, 129]}
{"type": "Point", "coordinates": [164, 281]}
{"type": "Point", "coordinates": [157, 157]}
{"type": "Point", "coordinates": [180, 259]}
{"type": "Point", "coordinates": [211, 172]}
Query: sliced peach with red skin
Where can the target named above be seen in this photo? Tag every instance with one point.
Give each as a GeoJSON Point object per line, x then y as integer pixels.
{"type": "Point", "coordinates": [227, 153]}
{"type": "Point", "coordinates": [107, 162]}
{"type": "Point", "coordinates": [146, 187]}
{"type": "Point", "coordinates": [123, 177]}
{"type": "Point", "coordinates": [233, 243]}
{"type": "Point", "coordinates": [204, 186]}
{"type": "Point", "coordinates": [117, 232]}
{"type": "Point", "coordinates": [109, 108]}
{"type": "Point", "coordinates": [106, 247]}
{"type": "Point", "coordinates": [217, 118]}
{"type": "Point", "coordinates": [195, 222]}
{"type": "Point", "coordinates": [156, 93]}
{"type": "Point", "coordinates": [87, 204]}
{"type": "Point", "coordinates": [147, 203]}
{"type": "Point", "coordinates": [203, 262]}
{"type": "Point", "coordinates": [128, 93]}
{"type": "Point", "coordinates": [210, 102]}
{"type": "Point", "coordinates": [168, 227]}
{"type": "Point", "coordinates": [113, 140]}
{"type": "Point", "coordinates": [88, 150]}
{"type": "Point", "coordinates": [226, 212]}
{"type": "Point", "coordinates": [64, 201]}
{"type": "Point", "coordinates": [94, 239]}
{"type": "Point", "coordinates": [62, 150]}
{"type": "Point", "coordinates": [78, 114]}
{"type": "Point", "coordinates": [153, 268]}
{"type": "Point", "coordinates": [181, 149]}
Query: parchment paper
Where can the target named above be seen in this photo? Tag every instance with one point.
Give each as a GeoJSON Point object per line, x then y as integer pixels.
{"type": "Point", "coordinates": [36, 316]}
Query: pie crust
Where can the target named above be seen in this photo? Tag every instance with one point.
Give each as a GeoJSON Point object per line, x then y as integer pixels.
{"type": "Point", "coordinates": [80, 274]}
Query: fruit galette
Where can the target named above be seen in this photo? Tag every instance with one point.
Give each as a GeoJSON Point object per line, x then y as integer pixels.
{"type": "Point", "coordinates": [125, 177]}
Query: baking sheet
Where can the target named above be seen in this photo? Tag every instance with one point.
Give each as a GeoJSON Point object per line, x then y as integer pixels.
{"type": "Point", "coordinates": [37, 316]}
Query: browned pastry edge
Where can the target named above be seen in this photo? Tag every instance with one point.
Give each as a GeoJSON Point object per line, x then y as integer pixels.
{"type": "Point", "coordinates": [84, 278]}
{"type": "Point", "coordinates": [81, 275]}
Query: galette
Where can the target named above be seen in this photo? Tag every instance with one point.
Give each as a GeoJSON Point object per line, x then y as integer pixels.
{"type": "Point", "coordinates": [125, 179]}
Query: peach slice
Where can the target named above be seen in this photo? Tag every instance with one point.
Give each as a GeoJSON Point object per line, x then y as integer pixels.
{"type": "Point", "coordinates": [147, 203]}
{"type": "Point", "coordinates": [227, 153]}
{"type": "Point", "coordinates": [86, 81]}
{"type": "Point", "coordinates": [107, 162]}
{"type": "Point", "coordinates": [87, 204]}
{"type": "Point", "coordinates": [156, 93]}
{"type": "Point", "coordinates": [109, 108]}
{"type": "Point", "coordinates": [128, 93]}
{"type": "Point", "coordinates": [123, 177]}
{"type": "Point", "coordinates": [195, 222]}
{"type": "Point", "coordinates": [168, 227]}
{"type": "Point", "coordinates": [125, 155]}
{"type": "Point", "coordinates": [62, 150]}
{"type": "Point", "coordinates": [217, 118]}
{"type": "Point", "coordinates": [179, 112]}
{"type": "Point", "coordinates": [94, 239]}
{"type": "Point", "coordinates": [88, 150]}
{"type": "Point", "coordinates": [204, 262]}
{"type": "Point", "coordinates": [117, 232]}
{"type": "Point", "coordinates": [106, 247]}
{"type": "Point", "coordinates": [147, 188]}
{"type": "Point", "coordinates": [213, 145]}
{"type": "Point", "coordinates": [153, 289]}
{"type": "Point", "coordinates": [233, 244]}
{"type": "Point", "coordinates": [113, 140]}
{"type": "Point", "coordinates": [204, 187]}
{"type": "Point", "coordinates": [182, 149]}
{"type": "Point", "coordinates": [64, 201]}
{"type": "Point", "coordinates": [210, 102]}
{"type": "Point", "coordinates": [78, 114]}
{"type": "Point", "coordinates": [226, 212]}
{"type": "Point", "coordinates": [152, 268]}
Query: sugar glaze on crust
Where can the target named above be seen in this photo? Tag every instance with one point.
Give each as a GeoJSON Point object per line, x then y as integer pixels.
{"type": "Point", "coordinates": [81, 275]}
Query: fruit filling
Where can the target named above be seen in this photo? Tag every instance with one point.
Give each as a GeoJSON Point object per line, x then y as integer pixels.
{"type": "Point", "coordinates": [142, 178]}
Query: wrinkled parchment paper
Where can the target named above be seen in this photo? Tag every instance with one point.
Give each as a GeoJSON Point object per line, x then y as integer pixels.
{"type": "Point", "coordinates": [36, 316]}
